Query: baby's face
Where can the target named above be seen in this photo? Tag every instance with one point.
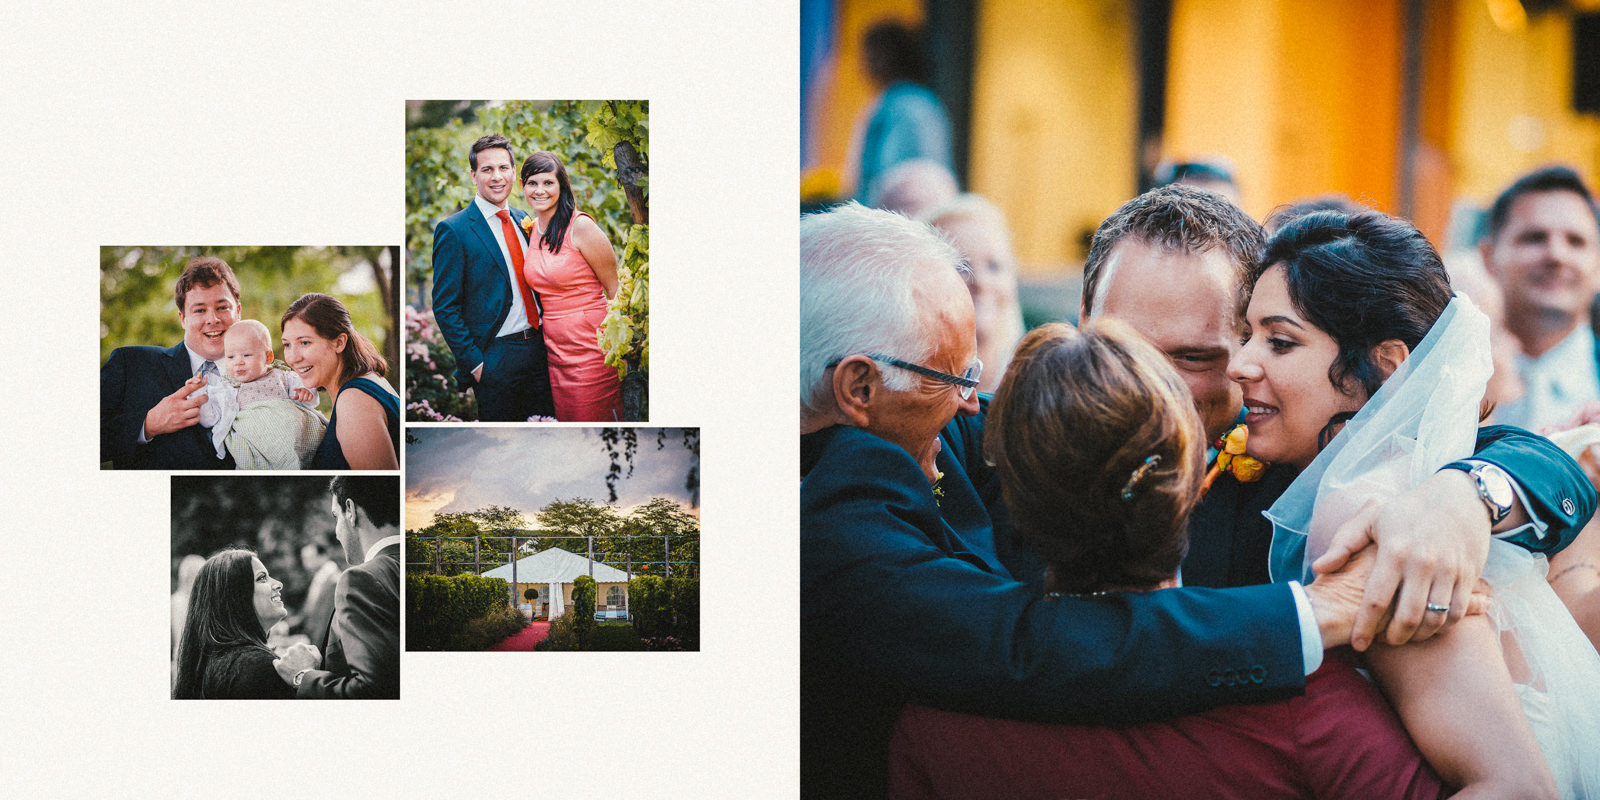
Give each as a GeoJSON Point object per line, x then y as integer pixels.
{"type": "Point", "coordinates": [245, 356]}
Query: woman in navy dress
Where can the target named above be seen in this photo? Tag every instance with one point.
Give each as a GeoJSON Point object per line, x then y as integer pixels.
{"type": "Point", "coordinates": [326, 351]}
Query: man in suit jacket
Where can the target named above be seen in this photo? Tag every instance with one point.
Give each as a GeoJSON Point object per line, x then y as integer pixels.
{"type": "Point", "coordinates": [484, 307]}
{"type": "Point", "coordinates": [361, 656]}
{"type": "Point", "coordinates": [1172, 263]}
{"type": "Point", "coordinates": [149, 414]}
{"type": "Point", "coordinates": [903, 596]}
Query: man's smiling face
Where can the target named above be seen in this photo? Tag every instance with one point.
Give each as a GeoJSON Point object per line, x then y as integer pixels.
{"type": "Point", "coordinates": [494, 175]}
{"type": "Point", "coordinates": [208, 312]}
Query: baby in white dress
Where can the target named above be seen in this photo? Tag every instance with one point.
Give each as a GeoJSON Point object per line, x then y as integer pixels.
{"type": "Point", "coordinates": [257, 409]}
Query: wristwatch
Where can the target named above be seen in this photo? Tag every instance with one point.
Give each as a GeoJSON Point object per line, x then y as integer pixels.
{"type": "Point", "coordinates": [1494, 488]}
{"type": "Point", "coordinates": [300, 676]}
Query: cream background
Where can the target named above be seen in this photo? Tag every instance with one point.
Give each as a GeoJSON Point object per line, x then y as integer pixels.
{"type": "Point", "coordinates": [283, 123]}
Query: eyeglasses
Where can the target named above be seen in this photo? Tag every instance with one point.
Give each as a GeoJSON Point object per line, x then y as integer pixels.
{"type": "Point", "coordinates": [966, 383]}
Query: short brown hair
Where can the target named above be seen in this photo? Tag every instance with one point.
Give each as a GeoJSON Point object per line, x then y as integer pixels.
{"type": "Point", "coordinates": [1077, 417]}
{"type": "Point", "coordinates": [202, 272]}
{"type": "Point", "coordinates": [1181, 219]}
{"type": "Point", "coordinates": [490, 142]}
{"type": "Point", "coordinates": [329, 318]}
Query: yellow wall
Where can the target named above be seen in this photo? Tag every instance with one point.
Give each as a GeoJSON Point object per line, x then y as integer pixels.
{"type": "Point", "coordinates": [1303, 96]}
{"type": "Point", "coordinates": [1512, 102]}
{"type": "Point", "coordinates": [1054, 120]}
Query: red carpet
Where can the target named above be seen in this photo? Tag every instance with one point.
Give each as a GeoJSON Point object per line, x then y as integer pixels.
{"type": "Point", "coordinates": [524, 641]}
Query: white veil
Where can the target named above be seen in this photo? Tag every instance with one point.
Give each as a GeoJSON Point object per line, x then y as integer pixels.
{"type": "Point", "coordinates": [1423, 417]}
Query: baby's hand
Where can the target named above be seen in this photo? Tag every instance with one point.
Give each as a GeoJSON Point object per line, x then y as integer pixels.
{"type": "Point", "coordinates": [303, 394]}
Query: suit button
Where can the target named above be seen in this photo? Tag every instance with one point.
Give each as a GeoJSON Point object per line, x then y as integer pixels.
{"type": "Point", "coordinates": [1230, 677]}
{"type": "Point", "coordinates": [1213, 678]}
{"type": "Point", "coordinates": [1258, 674]}
{"type": "Point", "coordinates": [1566, 505]}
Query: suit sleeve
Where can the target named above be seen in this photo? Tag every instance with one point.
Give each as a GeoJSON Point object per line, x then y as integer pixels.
{"type": "Point", "coordinates": [367, 616]}
{"type": "Point", "coordinates": [1556, 489]}
{"type": "Point", "coordinates": [881, 602]}
{"type": "Point", "coordinates": [119, 425]}
{"type": "Point", "coordinates": [449, 287]}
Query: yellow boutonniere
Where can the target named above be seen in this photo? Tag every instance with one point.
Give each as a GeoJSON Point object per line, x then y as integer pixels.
{"type": "Point", "coordinates": [938, 491]}
{"type": "Point", "coordinates": [527, 226]}
{"type": "Point", "coordinates": [1231, 458]}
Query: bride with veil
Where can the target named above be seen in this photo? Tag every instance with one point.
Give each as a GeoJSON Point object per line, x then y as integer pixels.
{"type": "Point", "coordinates": [1313, 294]}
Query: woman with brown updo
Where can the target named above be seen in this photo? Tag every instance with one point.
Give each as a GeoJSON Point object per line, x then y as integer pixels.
{"type": "Point", "coordinates": [325, 350]}
{"type": "Point", "coordinates": [1100, 454]}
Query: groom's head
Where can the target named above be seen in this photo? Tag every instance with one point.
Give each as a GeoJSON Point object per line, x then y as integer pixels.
{"type": "Point", "coordinates": [207, 295]}
{"type": "Point", "coordinates": [493, 168]}
{"type": "Point", "coordinates": [366, 508]}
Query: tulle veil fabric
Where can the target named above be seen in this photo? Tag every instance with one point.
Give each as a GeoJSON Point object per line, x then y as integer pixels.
{"type": "Point", "coordinates": [1423, 417]}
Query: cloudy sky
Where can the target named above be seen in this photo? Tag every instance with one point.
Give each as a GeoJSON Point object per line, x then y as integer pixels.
{"type": "Point", "coordinates": [458, 468]}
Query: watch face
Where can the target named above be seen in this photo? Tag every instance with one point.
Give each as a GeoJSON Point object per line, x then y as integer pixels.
{"type": "Point", "coordinates": [1496, 486]}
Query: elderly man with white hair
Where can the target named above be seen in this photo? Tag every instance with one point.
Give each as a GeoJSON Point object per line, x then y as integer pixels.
{"type": "Point", "coordinates": [903, 595]}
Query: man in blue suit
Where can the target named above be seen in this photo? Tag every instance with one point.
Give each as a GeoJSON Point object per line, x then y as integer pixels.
{"type": "Point", "coordinates": [149, 409]}
{"type": "Point", "coordinates": [485, 309]}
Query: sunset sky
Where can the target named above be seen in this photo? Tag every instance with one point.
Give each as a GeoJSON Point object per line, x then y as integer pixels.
{"type": "Point", "coordinates": [457, 469]}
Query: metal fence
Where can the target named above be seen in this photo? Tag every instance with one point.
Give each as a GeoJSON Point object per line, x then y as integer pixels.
{"type": "Point", "coordinates": [499, 556]}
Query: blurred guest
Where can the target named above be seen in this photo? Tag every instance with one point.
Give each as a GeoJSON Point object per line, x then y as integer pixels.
{"type": "Point", "coordinates": [907, 120]}
{"type": "Point", "coordinates": [318, 609]}
{"type": "Point", "coordinates": [188, 568]}
{"type": "Point", "coordinates": [1214, 175]}
{"type": "Point", "coordinates": [915, 187]}
{"type": "Point", "coordinates": [978, 229]}
{"type": "Point", "coordinates": [1543, 245]}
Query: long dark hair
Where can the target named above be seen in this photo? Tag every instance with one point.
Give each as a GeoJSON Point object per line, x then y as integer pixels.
{"type": "Point", "coordinates": [329, 318]}
{"type": "Point", "coordinates": [546, 161]}
{"type": "Point", "coordinates": [1362, 278]}
{"type": "Point", "coordinates": [222, 614]}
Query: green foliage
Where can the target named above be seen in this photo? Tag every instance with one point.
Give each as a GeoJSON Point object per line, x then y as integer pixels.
{"type": "Point", "coordinates": [583, 591]}
{"type": "Point", "coordinates": [430, 394]}
{"type": "Point", "coordinates": [488, 630]}
{"type": "Point", "coordinates": [563, 634]}
{"type": "Point", "coordinates": [588, 136]}
{"type": "Point", "coordinates": [529, 594]}
{"type": "Point", "coordinates": [615, 636]}
{"type": "Point", "coordinates": [136, 284]}
{"type": "Point", "coordinates": [439, 607]}
{"type": "Point", "coordinates": [666, 607]}
{"type": "Point", "coordinates": [622, 443]}
{"type": "Point", "coordinates": [449, 535]}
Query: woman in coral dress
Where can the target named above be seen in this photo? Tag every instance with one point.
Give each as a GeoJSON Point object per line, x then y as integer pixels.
{"type": "Point", "coordinates": [571, 265]}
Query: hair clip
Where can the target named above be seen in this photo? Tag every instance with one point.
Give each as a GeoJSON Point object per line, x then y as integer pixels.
{"type": "Point", "coordinates": [1139, 472]}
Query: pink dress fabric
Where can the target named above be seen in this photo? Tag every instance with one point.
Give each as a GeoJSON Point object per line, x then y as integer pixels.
{"type": "Point", "coordinates": [585, 389]}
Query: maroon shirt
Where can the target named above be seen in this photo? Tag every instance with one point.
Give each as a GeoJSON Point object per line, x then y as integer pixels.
{"type": "Point", "coordinates": [1341, 739]}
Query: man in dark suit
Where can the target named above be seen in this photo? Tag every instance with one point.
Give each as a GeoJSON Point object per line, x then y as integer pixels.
{"type": "Point", "coordinates": [903, 595]}
{"type": "Point", "coordinates": [149, 412]}
{"type": "Point", "coordinates": [1172, 263]}
{"type": "Point", "coordinates": [485, 309]}
{"type": "Point", "coordinates": [361, 655]}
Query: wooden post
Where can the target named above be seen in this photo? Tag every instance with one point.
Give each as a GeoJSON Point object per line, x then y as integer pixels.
{"type": "Point", "coordinates": [666, 554]}
{"type": "Point", "coordinates": [477, 558]}
{"type": "Point", "coordinates": [591, 556]}
{"type": "Point", "coordinates": [437, 568]}
{"type": "Point", "coordinates": [514, 572]}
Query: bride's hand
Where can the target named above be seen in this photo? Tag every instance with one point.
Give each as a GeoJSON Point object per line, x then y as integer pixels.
{"type": "Point", "coordinates": [1432, 543]}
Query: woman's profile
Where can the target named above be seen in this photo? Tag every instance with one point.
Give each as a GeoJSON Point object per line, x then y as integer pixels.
{"type": "Point", "coordinates": [223, 653]}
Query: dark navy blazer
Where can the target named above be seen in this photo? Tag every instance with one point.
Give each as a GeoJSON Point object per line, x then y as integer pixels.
{"type": "Point", "coordinates": [471, 286]}
{"type": "Point", "coordinates": [132, 381]}
{"type": "Point", "coordinates": [904, 599]}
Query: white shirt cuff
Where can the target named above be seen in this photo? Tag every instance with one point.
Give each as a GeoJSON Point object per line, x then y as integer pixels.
{"type": "Point", "coordinates": [1310, 634]}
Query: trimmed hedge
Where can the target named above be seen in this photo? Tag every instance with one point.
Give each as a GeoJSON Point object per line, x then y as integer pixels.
{"type": "Point", "coordinates": [583, 593]}
{"type": "Point", "coordinates": [438, 607]}
{"type": "Point", "coordinates": [662, 607]}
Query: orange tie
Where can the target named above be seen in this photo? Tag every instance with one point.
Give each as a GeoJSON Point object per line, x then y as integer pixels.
{"type": "Point", "coordinates": [514, 244]}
